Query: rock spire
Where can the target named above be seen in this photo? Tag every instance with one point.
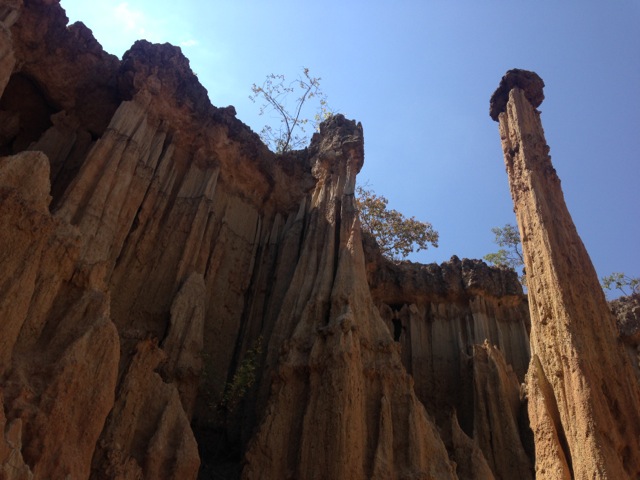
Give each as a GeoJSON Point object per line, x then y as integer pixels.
{"type": "Point", "coordinates": [341, 401]}
{"type": "Point", "coordinates": [584, 401]}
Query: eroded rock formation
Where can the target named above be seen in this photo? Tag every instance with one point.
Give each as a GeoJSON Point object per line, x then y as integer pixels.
{"type": "Point", "coordinates": [341, 405]}
{"type": "Point", "coordinates": [102, 305]}
{"type": "Point", "coordinates": [178, 299]}
{"type": "Point", "coordinates": [463, 331]}
{"type": "Point", "coordinates": [584, 399]}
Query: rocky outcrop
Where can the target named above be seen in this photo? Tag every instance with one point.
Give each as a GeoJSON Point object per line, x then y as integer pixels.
{"type": "Point", "coordinates": [626, 310]}
{"type": "Point", "coordinates": [341, 406]}
{"type": "Point", "coordinates": [59, 346]}
{"type": "Point", "coordinates": [584, 399]}
{"type": "Point", "coordinates": [103, 302]}
{"type": "Point", "coordinates": [12, 464]}
{"type": "Point", "coordinates": [497, 414]}
{"type": "Point", "coordinates": [153, 236]}
{"type": "Point", "coordinates": [463, 331]}
{"type": "Point", "coordinates": [148, 433]}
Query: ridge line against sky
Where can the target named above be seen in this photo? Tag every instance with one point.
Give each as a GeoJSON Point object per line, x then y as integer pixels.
{"type": "Point", "coordinates": [419, 75]}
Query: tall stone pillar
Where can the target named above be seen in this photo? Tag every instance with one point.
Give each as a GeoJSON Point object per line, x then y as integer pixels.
{"type": "Point", "coordinates": [584, 400]}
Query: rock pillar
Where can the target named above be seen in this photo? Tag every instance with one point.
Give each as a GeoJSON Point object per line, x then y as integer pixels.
{"type": "Point", "coordinates": [341, 405]}
{"type": "Point", "coordinates": [584, 400]}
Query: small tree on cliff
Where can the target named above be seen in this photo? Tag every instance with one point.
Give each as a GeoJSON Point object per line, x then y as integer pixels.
{"type": "Point", "coordinates": [243, 378]}
{"type": "Point", "coordinates": [624, 283]}
{"type": "Point", "coordinates": [396, 235]}
{"type": "Point", "coordinates": [275, 92]}
{"type": "Point", "coordinates": [510, 255]}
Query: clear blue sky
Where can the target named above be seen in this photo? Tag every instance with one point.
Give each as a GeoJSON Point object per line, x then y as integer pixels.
{"type": "Point", "coordinates": [419, 75]}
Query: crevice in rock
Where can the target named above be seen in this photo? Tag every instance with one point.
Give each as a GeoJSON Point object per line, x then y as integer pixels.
{"type": "Point", "coordinates": [553, 412]}
{"type": "Point", "coordinates": [397, 329]}
{"type": "Point", "coordinates": [337, 250]}
{"type": "Point", "coordinates": [25, 112]}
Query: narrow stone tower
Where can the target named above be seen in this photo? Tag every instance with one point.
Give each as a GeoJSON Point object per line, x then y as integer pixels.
{"type": "Point", "coordinates": [584, 400]}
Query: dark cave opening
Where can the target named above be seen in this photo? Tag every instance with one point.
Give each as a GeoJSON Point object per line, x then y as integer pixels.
{"type": "Point", "coordinates": [397, 329]}
{"type": "Point", "coordinates": [25, 114]}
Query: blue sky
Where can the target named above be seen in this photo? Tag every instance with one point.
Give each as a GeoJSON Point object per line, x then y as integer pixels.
{"type": "Point", "coordinates": [419, 75]}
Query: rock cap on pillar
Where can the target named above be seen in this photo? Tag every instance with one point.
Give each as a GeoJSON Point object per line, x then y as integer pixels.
{"type": "Point", "coordinates": [529, 82]}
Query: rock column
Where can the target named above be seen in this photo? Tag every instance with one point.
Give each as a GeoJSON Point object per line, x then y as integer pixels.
{"type": "Point", "coordinates": [584, 402]}
{"type": "Point", "coordinates": [341, 404]}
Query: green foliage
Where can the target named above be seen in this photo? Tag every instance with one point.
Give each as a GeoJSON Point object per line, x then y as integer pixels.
{"type": "Point", "coordinates": [396, 235]}
{"type": "Point", "coordinates": [624, 283]}
{"type": "Point", "coordinates": [275, 93]}
{"type": "Point", "coordinates": [243, 379]}
{"type": "Point", "coordinates": [510, 255]}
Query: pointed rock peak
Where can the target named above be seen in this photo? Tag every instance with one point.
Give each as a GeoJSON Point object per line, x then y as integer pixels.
{"type": "Point", "coordinates": [339, 138]}
{"type": "Point", "coordinates": [338, 129]}
{"type": "Point", "coordinates": [341, 124]}
{"type": "Point", "coordinates": [529, 82]}
{"type": "Point", "coordinates": [164, 71]}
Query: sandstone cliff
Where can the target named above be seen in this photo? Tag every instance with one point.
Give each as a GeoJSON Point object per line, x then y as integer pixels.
{"type": "Point", "coordinates": [155, 252]}
{"type": "Point", "coordinates": [162, 206]}
{"type": "Point", "coordinates": [463, 331]}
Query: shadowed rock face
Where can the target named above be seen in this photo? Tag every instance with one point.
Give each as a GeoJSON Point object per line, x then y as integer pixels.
{"type": "Point", "coordinates": [463, 331]}
{"type": "Point", "coordinates": [584, 400]}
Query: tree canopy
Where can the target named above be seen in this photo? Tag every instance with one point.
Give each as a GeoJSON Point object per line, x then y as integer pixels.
{"type": "Point", "coordinates": [275, 94]}
{"type": "Point", "coordinates": [510, 255]}
{"type": "Point", "coordinates": [396, 235]}
{"type": "Point", "coordinates": [621, 282]}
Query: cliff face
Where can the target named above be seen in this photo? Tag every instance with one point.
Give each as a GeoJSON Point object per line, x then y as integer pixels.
{"type": "Point", "coordinates": [177, 299]}
{"type": "Point", "coordinates": [163, 209]}
{"type": "Point", "coordinates": [463, 332]}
